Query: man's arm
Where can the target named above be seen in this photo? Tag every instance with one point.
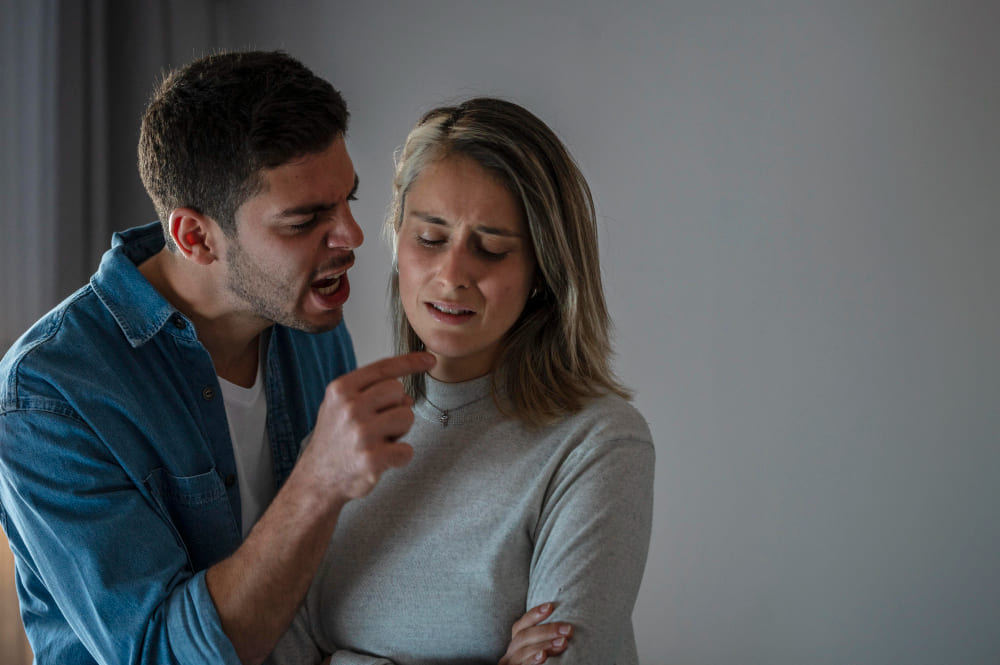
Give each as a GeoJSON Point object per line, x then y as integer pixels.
{"type": "Point", "coordinates": [257, 590]}
{"type": "Point", "coordinates": [99, 563]}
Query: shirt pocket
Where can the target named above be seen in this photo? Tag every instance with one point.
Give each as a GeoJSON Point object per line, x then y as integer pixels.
{"type": "Point", "coordinates": [198, 507]}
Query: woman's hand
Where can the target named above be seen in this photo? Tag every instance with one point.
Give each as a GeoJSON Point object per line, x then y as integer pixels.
{"type": "Point", "coordinates": [532, 643]}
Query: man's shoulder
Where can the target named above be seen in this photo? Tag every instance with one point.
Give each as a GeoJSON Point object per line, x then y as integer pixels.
{"type": "Point", "coordinates": [62, 340]}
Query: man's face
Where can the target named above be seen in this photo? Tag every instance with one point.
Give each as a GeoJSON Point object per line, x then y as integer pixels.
{"type": "Point", "coordinates": [294, 242]}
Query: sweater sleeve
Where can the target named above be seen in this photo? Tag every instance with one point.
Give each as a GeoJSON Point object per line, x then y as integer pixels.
{"type": "Point", "coordinates": [298, 647]}
{"type": "Point", "coordinates": [591, 547]}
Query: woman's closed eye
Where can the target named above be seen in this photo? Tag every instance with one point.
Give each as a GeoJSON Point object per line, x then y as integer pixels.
{"type": "Point", "coordinates": [429, 241]}
{"type": "Point", "coordinates": [491, 254]}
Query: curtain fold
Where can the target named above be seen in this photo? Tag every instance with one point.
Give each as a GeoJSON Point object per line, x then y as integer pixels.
{"type": "Point", "coordinates": [54, 150]}
{"type": "Point", "coordinates": [74, 78]}
{"type": "Point", "coordinates": [29, 36]}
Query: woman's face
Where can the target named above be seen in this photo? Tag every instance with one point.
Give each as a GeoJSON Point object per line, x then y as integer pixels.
{"type": "Point", "coordinates": [466, 265]}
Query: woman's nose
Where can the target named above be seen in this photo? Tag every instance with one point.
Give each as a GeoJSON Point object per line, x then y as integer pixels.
{"type": "Point", "coordinates": [454, 270]}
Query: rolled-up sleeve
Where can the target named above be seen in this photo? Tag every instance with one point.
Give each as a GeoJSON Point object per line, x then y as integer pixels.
{"type": "Point", "coordinates": [98, 559]}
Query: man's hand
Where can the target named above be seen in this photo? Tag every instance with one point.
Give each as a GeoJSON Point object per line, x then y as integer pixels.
{"type": "Point", "coordinates": [359, 424]}
{"type": "Point", "coordinates": [532, 643]}
{"type": "Point", "coordinates": [356, 438]}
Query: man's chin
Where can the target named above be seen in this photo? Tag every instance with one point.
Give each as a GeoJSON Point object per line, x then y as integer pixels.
{"type": "Point", "coordinates": [317, 325]}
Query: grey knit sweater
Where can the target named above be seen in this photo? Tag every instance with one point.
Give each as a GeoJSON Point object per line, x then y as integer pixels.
{"type": "Point", "coordinates": [489, 519]}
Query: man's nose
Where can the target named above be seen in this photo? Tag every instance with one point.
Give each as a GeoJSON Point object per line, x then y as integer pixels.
{"type": "Point", "coordinates": [344, 232]}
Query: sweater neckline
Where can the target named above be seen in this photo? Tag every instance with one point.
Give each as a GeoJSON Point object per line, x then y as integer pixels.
{"type": "Point", "coordinates": [454, 403]}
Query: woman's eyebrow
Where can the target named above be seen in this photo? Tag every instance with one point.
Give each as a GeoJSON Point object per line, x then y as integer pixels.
{"type": "Point", "coordinates": [480, 228]}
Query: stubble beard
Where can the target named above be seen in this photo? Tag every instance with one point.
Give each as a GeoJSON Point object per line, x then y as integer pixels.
{"type": "Point", "coordinates": [267, 296]}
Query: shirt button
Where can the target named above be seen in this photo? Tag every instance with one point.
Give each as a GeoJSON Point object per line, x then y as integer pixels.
{"type": "Point", "coordinates": [208, 393]}
{"type": "Point", "coordinates": [230, 480]}
{"type": "Point", "coordinates": [179, 323]}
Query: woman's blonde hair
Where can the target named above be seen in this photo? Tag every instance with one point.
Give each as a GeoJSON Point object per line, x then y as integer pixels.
{"type": "Point", "coordinates": [557, 355]}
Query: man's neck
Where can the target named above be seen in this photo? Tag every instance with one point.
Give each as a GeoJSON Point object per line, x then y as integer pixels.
{"type": "Point", "coordinates": [231, 338]}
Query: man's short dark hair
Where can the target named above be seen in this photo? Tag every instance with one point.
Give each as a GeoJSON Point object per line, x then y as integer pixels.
{"type": "Point", "coordinates": [212, 126]}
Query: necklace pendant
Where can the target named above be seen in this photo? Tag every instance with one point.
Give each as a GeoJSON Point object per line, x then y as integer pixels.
{"type": "Point", "coordinates": [444, 419]}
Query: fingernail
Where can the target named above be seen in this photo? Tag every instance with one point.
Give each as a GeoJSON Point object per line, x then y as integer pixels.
{"type": "Point", "coordinates": [565, 629]}
{"type": "Point", "coordinates": [559, 642]}
{"type": "Point", "coordinates": [545, 608]}
{"type": "Point", "coordinates": [540, 656]}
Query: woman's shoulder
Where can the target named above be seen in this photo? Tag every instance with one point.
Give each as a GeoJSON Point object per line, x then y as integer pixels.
{"type": "Point", "coordinates": [610, 418]}
{"type": "Point", "coordinates": [610, 434]}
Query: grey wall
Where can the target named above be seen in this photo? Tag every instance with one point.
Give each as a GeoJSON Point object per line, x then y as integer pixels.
{"type": "Point", "coordinates": [799, 207]}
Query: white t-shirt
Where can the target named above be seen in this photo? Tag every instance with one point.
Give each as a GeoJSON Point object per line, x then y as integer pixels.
{"type": "Point", "coordinates": [246, 410]}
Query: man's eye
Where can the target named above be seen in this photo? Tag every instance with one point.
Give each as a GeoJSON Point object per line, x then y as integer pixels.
{"type": "Point", "coordinates": [302, 226]}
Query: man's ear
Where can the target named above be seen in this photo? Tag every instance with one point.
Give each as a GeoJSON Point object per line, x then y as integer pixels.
{"type": "Point", "coordinates": [194, 234]}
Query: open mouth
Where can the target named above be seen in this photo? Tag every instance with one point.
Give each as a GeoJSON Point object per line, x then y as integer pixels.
{"type": "Point", "coordinates": [327, 285]}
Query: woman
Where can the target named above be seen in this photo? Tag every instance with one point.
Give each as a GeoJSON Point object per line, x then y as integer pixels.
{"type": "Point", "coordinates": [532, 476]}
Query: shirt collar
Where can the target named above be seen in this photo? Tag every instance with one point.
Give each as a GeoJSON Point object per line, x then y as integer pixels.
{"type": "Point", "coordinates": [139, 309]}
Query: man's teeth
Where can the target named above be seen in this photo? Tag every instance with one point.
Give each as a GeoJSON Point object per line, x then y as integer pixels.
{"type": "Point", "coordinates": [451, 310]}
{"type": "Point", "coordinates": [329, 288]}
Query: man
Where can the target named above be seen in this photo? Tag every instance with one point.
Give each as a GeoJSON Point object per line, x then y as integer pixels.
{"type": "Point", "coordinates": [148, 421]}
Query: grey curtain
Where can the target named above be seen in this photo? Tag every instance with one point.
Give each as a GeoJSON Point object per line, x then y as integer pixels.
{"type": "Point", "coordinates": [74, 78]}
{"type": "Point", "coordinates": [76, 75]}
{"type": "Point", "coordinates": [54, 154]}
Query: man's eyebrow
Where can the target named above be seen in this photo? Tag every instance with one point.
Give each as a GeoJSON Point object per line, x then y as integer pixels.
{"type": "Point", "coordinates": [481, 228]}
{"type": "Point", "coordinates": [313, 208]}
{"type": "Point", "coordinates": [309, 209]}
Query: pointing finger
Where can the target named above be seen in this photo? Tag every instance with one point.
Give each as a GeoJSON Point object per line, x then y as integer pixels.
{"type": "Point", "coordinates": [387, 368]}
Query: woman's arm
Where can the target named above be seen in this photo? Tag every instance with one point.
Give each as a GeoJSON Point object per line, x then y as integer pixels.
{"type": "Point", "coordinates": [591, 546]}
{"type": "Point", "coordinates": [531, 643]}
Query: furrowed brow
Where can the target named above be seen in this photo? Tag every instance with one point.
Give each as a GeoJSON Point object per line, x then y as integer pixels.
{"type": "Point", "coordinates": [429, 218]}
{"type": "Point", "coordinates": [309, 209]}
{"type": "Point", "coordinates": [482, 228]}
{"type": "Point", "coordinates": [313, 208]}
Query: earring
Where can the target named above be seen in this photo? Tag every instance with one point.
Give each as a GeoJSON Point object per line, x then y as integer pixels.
{"type": "Point", "coordinates": [534, 293]}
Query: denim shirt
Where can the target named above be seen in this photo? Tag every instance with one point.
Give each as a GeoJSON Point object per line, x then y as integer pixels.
{"type": "Point", "coordinates": [117, 478]}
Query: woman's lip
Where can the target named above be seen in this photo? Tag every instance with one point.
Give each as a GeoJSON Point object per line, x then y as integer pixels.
{"type": "Point", "coordinates": [457, 314]}
{"type": "Point", "coordinates": [450, 308]}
